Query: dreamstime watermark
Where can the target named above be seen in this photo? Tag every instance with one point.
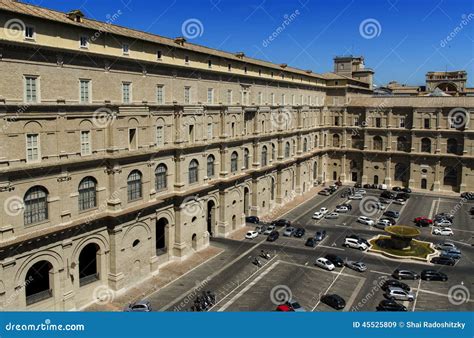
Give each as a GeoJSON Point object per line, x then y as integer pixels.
{"type": "Point", "coordinates": [458, 118]}
{"type": "Point", "coordinates": [103, 117]}
{"type": "Point", "coordinates": [459, 294]}
{"type": "Point", "coordinates": [281, 119]}
{"type": "Point", "coordinates": [14, 28]}
{"type": "Point", "coordinates": [370, 28]}
{"type": "Point", "coordinates": [14, 205]}
{"type": "Point", "coordinates": [280, 294]}
{"type": "Point", "coordinates": [103, 295]}
{"type": "Point", "coordinates": [111, 19]}
{"type": "Point", "coordinates": [376, 286]}
{"type": "Point", "coordinates": [45, 326]}
{"type": "Point", "coordinates": [102, 207]}
{"type": "Point", "coordinates": [465, 19]}
{"type": "Point", "coordinates": [287, 20]}
{"type": "Point", "coordinates": [368, 206]}
{"type": "Point", "coordinates": [192, 206]}
{"type": "Point", "coordinates": [190, 297]}
{"type": "Point", "coordinates": [192, 28]}
{"type": "Point", "coordinates": [17, 292]}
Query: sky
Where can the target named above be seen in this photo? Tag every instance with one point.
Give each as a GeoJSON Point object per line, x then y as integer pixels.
{"type": "Point", "coordinates": [401, 40]}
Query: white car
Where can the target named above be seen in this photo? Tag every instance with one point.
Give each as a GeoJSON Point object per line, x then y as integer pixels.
{"type": "Point", "coordinates": [356, 197]}
{"type": "Point", "coordinates": [399, 201]}
{"type": "Point", "coordinates": [324, 211]}
{"type": "Point", "coordinates": [355, 243]}
{"type": "Point", "coordinates": [318, 215]}
{"type": "Point", "coordinates": [443, 231]}
{"type": "Point", "coordinates": [365, 220]}
{"type": "Point", "coordinates": [361, 192]}
{"type": "Point", "coordinates": [379, 206]}
{"type": "Point", "coordinates": [342, 208]}
{"type": "Point", "coordinates": [443, 223]}
{"type": "Point", "coordinates": [324, 263]}
{"type": "Point", "coordinates": [251, 234]}
{"type": "Point", "coordinates": [381, 225]}
{"type": "Point", "coordinates": [269, 230]}
{"type": "Point", "coordinates": [332, 215]}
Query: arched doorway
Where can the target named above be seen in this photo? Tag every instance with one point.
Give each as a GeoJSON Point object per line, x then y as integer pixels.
{"type": "Point", "coordinates": [160, 240]}
{"type": "Point", "coordinates": [88, 264]}
{"type": "Point", "coordinates": [211, 217]}
{"type": "Point", "coordinates": [376, 179]}
{"type": "Point", "coordinates": [246, 201]}
{"type": "Point", "coordinates": [38, 284]}
{"type": "Point", "coordinates": [424, 183]}
{"type": "Point", "coordinates": [234, 222]}
{"type": "Point", "coordinates": [194, 241]}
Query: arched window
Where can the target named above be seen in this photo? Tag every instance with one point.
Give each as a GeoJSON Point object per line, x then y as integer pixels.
{"type": "Point", "coordinates": [233, 162]}
{"type": "Point", "coordinates": [305, 145]}
{"type": "Point", "coordinates": [87, 193]}
{"type": "Point", "coordinates": [36, 205]}
{"type": "Point", "coordinates": [356, 141]}
{"type": "Point", "coordinates": [88, 271]}
{"type": "Point", "coordinates": [273, 151]}
{"type": "Point", "coordinates": [272, 189]}
{"type": "Point", "coordinates": [264, 156]}
{"type": "Point", "coordinates": [401, 172]}
{"type": "Point", "coordinates": [161, 172]}
{"type": "Point", "coordinates": [315, 170]}
{"type": "Point", "coordinates": [134, 185]}
{"type": "Point", "coordinates": [425, 145]}
{"type": "Point", "coordinates": [450, 176]}
{"type": "Point", "coordinates": [193, 171]}
{"type": "Point", "coordinates": [402, 144]}
{"type": "Point", "coordinates": [246, 158]}
{"type": "Point", "coordinates": [452, 146]}
{"type": "Point", "coordinates": [378, 143]}
{"type": "Point", "coordinates": [336, 140]}
{"type": "Point", "coordinates": [315, 141]}
{"type": "Point", "coordinates": [37, 282]}
{"type": "Point", "coordinates": [287, 149]}
{"type": "Point", "coordinates": [210, 166]}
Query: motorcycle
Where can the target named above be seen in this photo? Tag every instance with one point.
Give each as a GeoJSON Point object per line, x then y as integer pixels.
{"type": "Point", "coordinates": [264, 254]}
{"type": "Point", "coordinates": [257, 262]}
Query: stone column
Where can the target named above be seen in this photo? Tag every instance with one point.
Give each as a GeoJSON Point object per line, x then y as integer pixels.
{"type": "Point", "coordinates": [298, 189]}
{"type": "Point", "coordinates": [180, 171]}
{"type": "Point", "coordinates": [343, 176]}
{"type": "Point", "coordinates": [437, 182]}
{"type": "Point", "coordinates": [388, 172]}
{"type": "Point", "coordinates": [224, 159]}
{"type": "Point", "coordinates": [279, 188]}
{"type": "Point", "coordinates": [115, 276]}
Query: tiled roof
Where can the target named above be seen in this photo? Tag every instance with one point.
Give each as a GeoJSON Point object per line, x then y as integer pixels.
{"type": "Point", "coordinates": [413, 101]}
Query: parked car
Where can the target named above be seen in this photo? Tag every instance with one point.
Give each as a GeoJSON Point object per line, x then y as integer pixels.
{"type": "Point", "coordinates": [251, 234]}
{"type": "Point", "coordinates": [311, 242]}
{"type": "Point", "coordinates": [405, 274]}
{"type": "Point", "coordinates": [433, 275]}
{"type": "Point", "coordinates": [355, 243]}
{"type": "Point", "coordinates": [347, 205]}
{"type": "Point", "coordinates": [320, 235]}
{"type": "Point", "coordinates": [390, 305]}
{"type": "Point", "coordinates": [423, 221]}
{"type": "Point", "coordinates": [383, 187]}
{"type": "Point", "coordinates": [394, 283]}
{"type": "Point", "coordinates": [389, 219]}
{"type": "Point", "coordinates": [384, 200]}
{"type": "Point", "coordinates": [397, 189]}
{"type": "Point", "coordinates": [356, 197]}
{"type": "Point", "coordinates": [252, 219]}
{"type": "Point", "coordinates": [447, 246]}
{"type": "Point", "coordinates": [407, 190]}
{"type": "Point", "coordinates": [261, 229]}
{"type": "Point", "coordinates": [336, 260]}
{"type": "Point", "coordinates": [332, 215]}
{"type": "Point", "coordinates": [357, 237]}
{"type": "Point", "coordinates": [341, 209]}
{"type": "Point", "coordinates": [388, 194]}
{"type": "Point", "coordinates": [443, 231]}
{"type": "Point", "coordinates": [379, 205]}
{"type": "Point", "coordinates": [273, 236]}
{"type": "Point", "coordinates": [357, 266]}
{"type": "Point", "coordinates": [392, 213]}
{"type": "Point", "coordinates": [334, 301]}
{"type": "Point", "coordinates": [395, 293]}
{"type": "Point", "coordinates": [299, 232]}
{"type": "Point", "coordinates": [281, 222]}
{"type": "Point", "coordinates": [365, 220]}
{"type": "Point", "coordinates": [317, 215]}
{"type": "Point", "coordinates": [324, 192]}
{"type": "Point", "coordinates": [140, 306]}
{"type": "Point", "coordinates": [444, 215]}
{"type": "Point", "coordinates": [269, 230]}
{"type": "Point", "coordinates": [381, 225]}
{"type": "Point", "coordinates": [443, 260]}
{"type": "Point", "coordinates": [360, 192]}
{"type": "Point", "coordinates": [324, 263]}
{"type": "Point", "coordinates": [290, 231]}
{"type": "Point", "coordinates": [403, 195]}
{"type": "Point", "coordinates": [295, 306]}
{"type": "Point", "coordinates": [399, 201]}
{"type": "Point", "coordinates": [284, 308]}
{"type": "Point", "coordinates": [324, 211]}
{"type": "Point", "coordinates": [443, 223]}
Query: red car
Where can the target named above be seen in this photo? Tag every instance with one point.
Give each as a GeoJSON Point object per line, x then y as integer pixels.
{"type": "Point", "coordinates": [423, 221]}
{"type": "Point", "coordinates": [284, 308]}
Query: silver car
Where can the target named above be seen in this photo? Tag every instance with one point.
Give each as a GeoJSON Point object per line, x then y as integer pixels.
{"type": "Point", "coordinates": [140, 306]}
{"type": "Point", "coordinates": [396, 293]}
{"type": "Point", "coordinates": [357, 266]}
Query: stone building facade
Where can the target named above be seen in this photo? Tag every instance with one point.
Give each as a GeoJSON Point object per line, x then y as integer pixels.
{"type": "Point", "coordinates": [122, 151]}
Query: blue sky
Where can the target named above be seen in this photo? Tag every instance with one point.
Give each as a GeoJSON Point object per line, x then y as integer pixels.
{"type": "Point", "coordinates": [404, 38]}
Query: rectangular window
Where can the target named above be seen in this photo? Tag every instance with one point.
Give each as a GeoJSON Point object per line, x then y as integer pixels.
{"type": "Point", "coordinates": [336, 120]}
{"type": "Point", "coordinates": [85, 142]}
{"type": "Point", "coordinates": [229, 67]}
{"type": "Point", "coordinates": [132, 139]}
{"type": "Point", "coordinates": [245, 95]}
{"type": "Point", "coordinates": [160, 91]}
{"type": "Point", "coordinates": [402, 122]}
{"type": "Point", "coordinates": [245, 70]}
{"type": "Point", "coordinates": [158, 55]}
{"type": "Point", "coordinates": [210, 95]}
{"type": "Point", "coordinates": [186, 59]}
{"type": "Point", "coordinates": [125, 48]}
{"type": "Point", "coordinates": [229, 96]}
{"type": "Point", "coordinates": [32, 147]}
{"type": "Point", "coordinates": [378, 122]}
{"type": "Point", "coordinates": [209, 64]}
{"type": "Point", "coordinates": [356, 121]}
{"type": "Point", "coordinates": [191, 133]}
{"type": "Point", "coordinates": [126, 92]}
{"type": "Point", "coordinates": [160, 136]}
{"type": "Point", "coordinates": [84, 91]}
{"type": "Point", "coordinates": [31, 91]}
{"type": "Point", "coordinates": [84, 42]}
{"type": "Point", "coordinates": [29, 32]}
{"type": "Point", "coordinates": [187, 95]}
{"type": "Point", "coordinates": [209, 131]}
{"type": "Point", "coordinates": [260, 98]}
{"type": "Point", "coordinates": [427, 123]}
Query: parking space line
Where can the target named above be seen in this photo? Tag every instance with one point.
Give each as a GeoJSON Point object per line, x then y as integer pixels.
{"type": "Point", "coordinates": [416, 295]}
{"type": "Point", "coordinates": [330, 285]}
{"type": "Point", "coordinates": [329, 247]}
{"type": "Point", "coordinates": [439, 294]}
{"type": "Point", "coordinates": [355, 293]}
{"type": "Point", "coordinates": [433, 203]}
{"type": "Point", "coordinates": [380, 272]}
